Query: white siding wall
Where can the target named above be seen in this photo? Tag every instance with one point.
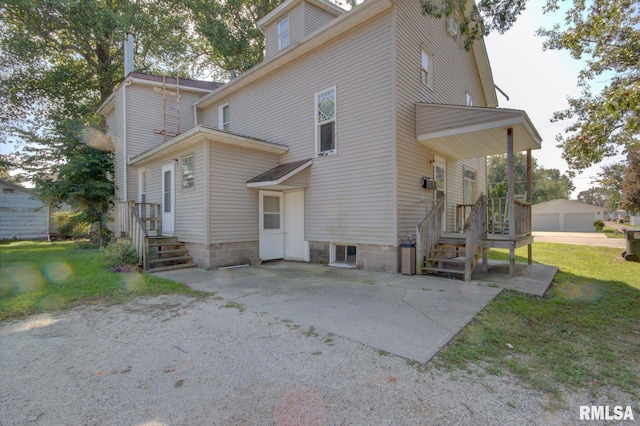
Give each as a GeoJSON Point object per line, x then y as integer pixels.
{"type": "Point", "coordinates": [22, 215]}
{"type": "Point", "coordinates": [190, 214]}
{"type": "Point", "coordinates": [350, 198]}
{"type": "Point", "coordinates": [296, 34]}
{"type": "Point", "coordinates": [454, 73]}
{"type": "Point", "coordinates": [115, 130]}
{"type": "Point", "coordinates": [233, 206]}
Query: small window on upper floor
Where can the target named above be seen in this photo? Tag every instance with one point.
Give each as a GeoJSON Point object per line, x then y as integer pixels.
{"type": "Point", "coordinates": [326, 122]}
{"type": "Point", "coordinates": [223, 117]}
{"type": "Point", "coordinates": [469, 99]}
{"type": "Point", "coordinates": [284, 32]}
{"type": "Point", "coordinates": [427, 68]}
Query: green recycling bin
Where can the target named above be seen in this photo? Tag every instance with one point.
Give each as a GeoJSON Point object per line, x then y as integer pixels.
{"type": "Point", "coordinates": [633, 245]}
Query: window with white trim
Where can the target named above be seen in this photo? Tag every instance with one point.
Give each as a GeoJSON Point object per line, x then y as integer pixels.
{"type": "Point", "coordinates": [188, 172]}
{"type": "Point", "coordinates": [223, 117]}
{"type": "Point", "coordinates": [469, 99]}
{"type": "Point", "coordinates": [284, 32]}
{"type": "Point", "coordinates": [427, 68]}
{"type": "Point", "coordinates": [344, 254]}
{"type": "Point", "coordinates": [470, 188]}
{"type": "Point", "coordinates": [326, 121]}
{"type": "Point", "coordinates": [142, 184]}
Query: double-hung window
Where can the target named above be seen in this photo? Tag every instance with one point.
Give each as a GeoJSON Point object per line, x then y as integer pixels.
{"type": "Point", "coordinates": [188, 172]}
{"type": "Point", "coordinates": [223, 117]}
{"type": "Point", "coordinates": [326, 121]}
{"type": "Point", "coordinates": [470, 186]}
{"type": "Point", "coordinates": [427, 68]}
{"type": "Point", "coordinates": [284, 32]}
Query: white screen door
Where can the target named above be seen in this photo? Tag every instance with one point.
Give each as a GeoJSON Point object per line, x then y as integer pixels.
{"type": "Point", "coordinates": [271, 224]}
{"type": "Point", "coordinates": [440, 176]}
{"type": "Point", "coordinates": [294, 243]}
{"type": "Point", "coordinates": [168, 199]}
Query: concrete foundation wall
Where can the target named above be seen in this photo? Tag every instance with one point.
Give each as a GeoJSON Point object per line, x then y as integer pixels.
{"type": "Point", "coordinates": [371, 257]}
{"type": "Point", "coordinates": [223, 254]}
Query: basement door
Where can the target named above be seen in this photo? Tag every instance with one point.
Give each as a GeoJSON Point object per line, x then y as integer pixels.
{"type": "Point", "coordinates": [281, 224]}
{"type": "Point", "coordinates": [168, 199]}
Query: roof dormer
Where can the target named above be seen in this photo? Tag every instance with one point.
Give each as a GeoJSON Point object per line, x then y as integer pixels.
{"type": "Point", "coordinates": [293, 20]}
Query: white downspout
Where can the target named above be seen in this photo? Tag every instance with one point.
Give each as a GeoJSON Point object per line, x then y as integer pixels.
{"type": "Point", "coordinates": [124, 140]}
{"type": "Point", "coordinates": [195, 115]}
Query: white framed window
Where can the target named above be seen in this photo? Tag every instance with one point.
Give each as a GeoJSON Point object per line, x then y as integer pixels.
{"type": "Point", "coordinates": [284, 32]}
{"type": "Point", "coordinates": [469, 99]}
{"type": "Point", "coordinates": [470, 188]}
{"type": "Point", "coordinates": [188, 172]}
{"type": "Point", "coordinates": [344, 255]}
{"type": "Point", "coordinates": [325, 113]}
{"type": "Point", "coordinates": [427, 68]}
{"type": "Point", "coordinates": [223, 117]}
{"type": "Point", "coordinates": [142, 184]}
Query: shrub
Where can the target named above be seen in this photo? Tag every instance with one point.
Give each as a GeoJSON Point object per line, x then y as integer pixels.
{"type": "Point", "coordinates": [69, 226]}
{"type": "Point", "coordinates": [599, 225]}
{"type": "Point", "coordinates": [119, 254]}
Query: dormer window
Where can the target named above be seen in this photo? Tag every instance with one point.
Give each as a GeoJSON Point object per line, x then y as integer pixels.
{"type": "Point", "coordinates": [284, 33]}
{"type": "Point", "coordinates": [469, 99]}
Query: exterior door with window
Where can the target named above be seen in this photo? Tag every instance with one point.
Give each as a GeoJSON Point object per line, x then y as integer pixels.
{"type": "Point", "coordinates": [168, 199]}
{"type": "Point", "coordinates": [271, 223]}
{"type": "Point", "coordinates": [440, 176]}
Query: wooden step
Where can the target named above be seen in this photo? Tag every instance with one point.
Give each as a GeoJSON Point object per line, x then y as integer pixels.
{"type": "Point", "coordinates": [179, 252]}
{"type": "Point", "coordinates": [177, 259]}
{"type": "Point", "coordinates": [444, 271]}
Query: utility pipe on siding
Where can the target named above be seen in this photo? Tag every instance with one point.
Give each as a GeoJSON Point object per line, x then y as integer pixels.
{"type": "Point", "coordinates": [195, 115]}
{"type": "Point", "coordinates": [124, 139]}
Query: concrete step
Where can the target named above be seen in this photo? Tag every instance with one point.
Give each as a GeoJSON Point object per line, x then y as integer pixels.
{"type": "Point", "coordinates": [172, 267]}
{"type": "Point", "coordinates": [177, 259]}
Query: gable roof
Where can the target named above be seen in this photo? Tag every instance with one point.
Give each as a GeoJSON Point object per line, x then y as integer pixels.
{"type": "Point", "coordinates": [577, 204]}
{"type": "Point", "coordinates": [201, 133]}
{"type": "Point", "coordinates": [18, 187]}
{"type": "Point", "coordinates": [287, 5]}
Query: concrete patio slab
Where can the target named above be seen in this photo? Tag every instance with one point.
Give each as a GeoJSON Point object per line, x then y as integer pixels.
{"type": "Point", "coordinates": [409, 316]}
{"type": "Point", "coordinates": [531, 279]}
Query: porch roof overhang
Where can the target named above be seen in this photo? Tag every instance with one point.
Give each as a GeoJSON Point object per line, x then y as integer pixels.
{"type": "Point", "coordinates": [276, 178]}
{"type": "Point", "coordinates": [203, 133]}
{"type": "Point", "coordinates": [462, 132]}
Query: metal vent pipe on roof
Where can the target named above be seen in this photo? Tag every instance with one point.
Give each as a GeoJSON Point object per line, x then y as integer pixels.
{"type": "Point", "coordinates": [128, 54]}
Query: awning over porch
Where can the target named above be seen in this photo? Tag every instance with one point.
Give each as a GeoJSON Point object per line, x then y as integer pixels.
{"type": "Point", "coordinates": [281, 177]}
{"type": "Point", "coordinates": [462, 132]}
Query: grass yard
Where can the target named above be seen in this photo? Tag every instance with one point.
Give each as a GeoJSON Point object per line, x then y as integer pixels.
{"type": "Point", "coordinates": [584, 334]}
{"type": "Point", "coordinates": [42, 277]}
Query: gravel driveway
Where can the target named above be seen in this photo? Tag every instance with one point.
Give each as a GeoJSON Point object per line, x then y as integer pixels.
{"type": "Point", "coordinates": [174, 360]}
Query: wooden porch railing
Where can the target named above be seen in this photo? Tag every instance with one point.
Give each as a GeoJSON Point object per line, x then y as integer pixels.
{"type": "Point", "coordinates": [475, 230]}
{"type": "Point", "coordinates": [462, 213]}
{"type": "Point", "coordinates": [428, 233]}
{"type": "Point", "coordinates": [522, 217]}
{"type": "Point", "coordinates": [136, 221]}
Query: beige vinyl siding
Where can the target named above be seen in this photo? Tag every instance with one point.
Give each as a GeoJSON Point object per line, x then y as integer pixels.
{"type": "Point", "coordinates": [315, 18]}
{"type": "Point", "coordinates": [454, 73]}
{"type": "Point", "coordinates": [295, 27]}
{"type": "Point", "coordinates": [350, 196]}
{"type": "Point", "coordinates": [145, 115]}
{"type": "Point", "coordinates": [115, 130]}
{"type": "Point", "coordinates": [233, 206]}
{"type": "Point", "coordinates": [189, 210]}
{"type": "Point", "coordinates": [455, 184]}
{"type": "Point", "coordinates": [22, 215]}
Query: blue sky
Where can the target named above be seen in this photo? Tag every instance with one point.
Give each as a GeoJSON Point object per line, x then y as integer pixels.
{"type": "Point", "coordinates": [538, 82]}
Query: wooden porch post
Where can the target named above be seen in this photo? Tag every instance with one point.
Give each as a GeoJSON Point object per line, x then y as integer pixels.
{"type": "Point", "coordinates": [528, 200]}
{"type": "Point", "coordinates": [510, 201]}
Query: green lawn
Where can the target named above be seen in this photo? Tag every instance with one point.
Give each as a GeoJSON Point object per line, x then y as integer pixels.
{"type": "Point", "coordinates": [42, 277]}
{"type": "Point", "coordinates": [585, 333]}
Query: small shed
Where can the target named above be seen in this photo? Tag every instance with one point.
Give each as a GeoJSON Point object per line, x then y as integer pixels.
{"type": "Point", "coordinates": [565, 216]}
{"type": "Point", "coordinates": [22, 215]}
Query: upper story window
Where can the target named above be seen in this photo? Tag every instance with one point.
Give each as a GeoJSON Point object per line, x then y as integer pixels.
{"type": "Point", "coordinates": [142, 184]}
{"type": "Point", "coordinates": [469, 99]}
{"type": "Point", "coordinates": [284, 32]}
{"type": "Point", "coordinates": [223, 117]}
{"type": "Point", "coordinates": [326, 122]}
{"type": "Point", "coordinates": [188, 172]}
{"type": "Point", "coordinates": [427, 68]}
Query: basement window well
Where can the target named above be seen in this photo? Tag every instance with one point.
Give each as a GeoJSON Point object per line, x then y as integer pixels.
{"type": "Point", "coordinates": [344, 255]}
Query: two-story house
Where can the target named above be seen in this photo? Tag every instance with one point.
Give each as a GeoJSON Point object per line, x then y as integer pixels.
{"type": "Point", "coordinates": [359, 131]}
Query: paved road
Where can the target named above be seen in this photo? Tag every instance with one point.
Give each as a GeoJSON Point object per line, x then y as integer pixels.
{"type": "Point", "coordinates": [582, 238]}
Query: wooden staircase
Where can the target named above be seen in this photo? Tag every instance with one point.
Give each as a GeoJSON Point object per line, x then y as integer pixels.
{"type": "Point", "coordinates": [167, 253]}
{"type": "Point", "coordinates": [448, 257]}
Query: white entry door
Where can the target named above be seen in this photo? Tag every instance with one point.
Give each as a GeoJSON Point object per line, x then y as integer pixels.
{"type": "Point", "coordinates": [271, 224]}
{"type": "Point", "coordinates": [295, 247]}
{"type": "Point", "coordinates": [440, 176]}
{"type": "Point", "coordinates": [168, 199]}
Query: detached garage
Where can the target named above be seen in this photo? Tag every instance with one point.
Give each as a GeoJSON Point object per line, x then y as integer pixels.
{"type": "Point", "coordinates": [22, 215]}
{"type": "Point", "coordinates": [566, 216]}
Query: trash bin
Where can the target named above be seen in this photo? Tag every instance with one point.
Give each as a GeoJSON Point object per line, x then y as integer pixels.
{"type": "Point", "coordinates": [633, 245]}
{"type": "Point", "coordinates": [408, 259]}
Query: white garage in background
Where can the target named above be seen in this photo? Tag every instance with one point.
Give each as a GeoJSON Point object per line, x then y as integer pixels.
{"type": "Point", "coordinates": [565, 215]}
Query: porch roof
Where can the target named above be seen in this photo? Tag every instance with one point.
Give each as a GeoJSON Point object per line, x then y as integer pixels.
{"type": "Point", "coordinates": [275, 178]}
{"type": "Point", "coordinates": [462, 132]}
{"type": "Point", "coordinates": [202, 133]}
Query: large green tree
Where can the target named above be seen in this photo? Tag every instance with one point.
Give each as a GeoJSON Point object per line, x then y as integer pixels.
{"type": "Point", "coordinates": [604, 33]}
{"type": "Point", "coordinates": [547, 184]}
{"type": "Point", "coordinates": [631, 182]}
{"type": "Point", "coordinates": [59, 60]}
{"type": "Point", "coordinates": [610, 179]}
